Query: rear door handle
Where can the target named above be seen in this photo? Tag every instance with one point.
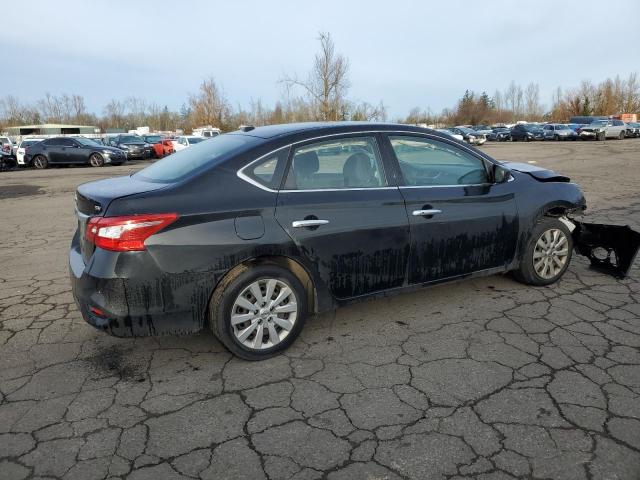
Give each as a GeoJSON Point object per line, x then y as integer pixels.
{"type": "Point", "coordinates": [424, 213]}
{"type": "Point", "coordinates": [308, 223]}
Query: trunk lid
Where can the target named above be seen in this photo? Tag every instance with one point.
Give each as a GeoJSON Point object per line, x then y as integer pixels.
{"type": "Point", "coordinates": [93, 199]}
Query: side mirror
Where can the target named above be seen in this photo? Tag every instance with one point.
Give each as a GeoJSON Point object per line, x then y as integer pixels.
{"type": "Point", "coordinates": [500, 174]}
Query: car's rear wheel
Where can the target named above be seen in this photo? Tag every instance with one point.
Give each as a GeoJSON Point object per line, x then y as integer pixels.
{"type": "Point", "coordinates": [96, 160]}
{"type": "Point", "coordinates": [40, 162]}
{"type": "Point", "coordinates": [257, 312]}
{"type": "Point", "coordinates": [621, 136]}
{"type": "Point", "coordinates": [547, 254]}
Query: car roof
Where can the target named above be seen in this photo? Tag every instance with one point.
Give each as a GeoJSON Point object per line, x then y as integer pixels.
{"type": "Point", "coordinates": [273, 131]}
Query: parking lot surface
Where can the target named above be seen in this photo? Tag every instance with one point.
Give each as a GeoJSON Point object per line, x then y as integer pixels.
{"type": "Point", "coordinates": [483, 378]}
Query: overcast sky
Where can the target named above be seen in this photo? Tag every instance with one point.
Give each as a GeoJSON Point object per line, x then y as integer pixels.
{"type": "Point", "coordinates": [406, 53]}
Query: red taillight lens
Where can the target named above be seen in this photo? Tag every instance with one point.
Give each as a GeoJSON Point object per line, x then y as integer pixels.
{"type": "Point", "coordinates": [125, 234]}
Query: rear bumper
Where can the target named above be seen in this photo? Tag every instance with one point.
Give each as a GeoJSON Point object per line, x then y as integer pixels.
{"type": "Point", "coordinates": [130, 297]}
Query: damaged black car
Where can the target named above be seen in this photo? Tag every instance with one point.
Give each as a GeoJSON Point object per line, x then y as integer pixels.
{"type": "Point", "coordinates": [251, 232]}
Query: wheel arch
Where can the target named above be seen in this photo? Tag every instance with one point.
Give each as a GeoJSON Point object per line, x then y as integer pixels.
{"type": "Point", "coordinates": [291, 265]}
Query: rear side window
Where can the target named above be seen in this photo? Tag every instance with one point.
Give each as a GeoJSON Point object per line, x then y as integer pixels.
{"type": "Point", "coordinates": [352, 162]}
{"type": "Point", "coordinates": [268, 171]}
{"type": "Point", "coordinates": [192, 160]}
{"type": "Point", "coordinates": [426, 162]}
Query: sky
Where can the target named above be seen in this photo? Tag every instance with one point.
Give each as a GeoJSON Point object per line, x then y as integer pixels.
{"type": "Point", "coordinates": [405, 53]}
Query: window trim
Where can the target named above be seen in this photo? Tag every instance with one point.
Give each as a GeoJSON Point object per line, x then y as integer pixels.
{"type": "Point", "coordinates": [402, 183]}
{"type": "Point", "coordinates": [278, 174]}
{"type": "Point", "coordinates": [384, 135]}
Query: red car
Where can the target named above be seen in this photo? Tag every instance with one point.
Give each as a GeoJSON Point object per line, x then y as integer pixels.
{"type": "Point", "coordinates": [162, 146]}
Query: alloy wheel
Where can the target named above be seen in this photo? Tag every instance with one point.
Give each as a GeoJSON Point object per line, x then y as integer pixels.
{"type": "Point", "coordinates": [264, 313]}
{"type": "Point", "coordinates": [550, 253]}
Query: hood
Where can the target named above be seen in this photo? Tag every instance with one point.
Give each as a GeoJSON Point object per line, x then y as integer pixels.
{"type": "Point", "coordinates": [109, 148]}
{"type": "Point", "coordinates": [540, 174]}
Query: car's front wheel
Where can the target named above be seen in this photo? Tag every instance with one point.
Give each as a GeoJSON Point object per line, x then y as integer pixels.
{"type": "Point", "coordinates": [547, 254]}
{"type": "Point", "coordinates": [257, 312]}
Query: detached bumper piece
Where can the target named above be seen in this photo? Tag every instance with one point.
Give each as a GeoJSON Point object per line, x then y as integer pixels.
{"type": "Point", "coordinates": [610, 248]}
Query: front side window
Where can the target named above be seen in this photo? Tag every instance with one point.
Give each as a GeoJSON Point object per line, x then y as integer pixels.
{"type": "Point", "coordinates": [352, 162]}
{"type": "Point", "coordinates": [426, 162]}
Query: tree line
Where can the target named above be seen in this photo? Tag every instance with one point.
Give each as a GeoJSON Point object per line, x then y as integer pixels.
{"type": "Point", "coordinates": [322, 95]}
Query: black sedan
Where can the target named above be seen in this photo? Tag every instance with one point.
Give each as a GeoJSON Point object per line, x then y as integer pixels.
{"type": "Point", "coordinates": [500, 134]}
{"type": "Point", "coordinates": [72, 150]}
{"type": "Point", "coordinates": [251, 232]}
{"type": "Point", "coordinates": [526, 133]}
{"type": "Point", "coordinates": [133, 145]}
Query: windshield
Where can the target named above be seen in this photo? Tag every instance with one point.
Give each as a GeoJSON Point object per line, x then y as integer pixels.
{"type": "Point", "coordinates": [599, 123]}
{"type": "Point", "coordinates": [466, 130]}
{"type": "Point", "coordinates": [131, 139]}
{"type": "Point", "coordinates": [531, 128]}
{"type": "Point", "coordinates": [86, 141]}
{"type": "Point", "coordinates": [153, 139]}
{"type": "Point", "coordinates": [189, 161]}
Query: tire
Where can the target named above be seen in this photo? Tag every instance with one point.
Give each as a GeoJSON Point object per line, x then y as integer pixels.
{"type": "Point", "coordinates": [40, 162]}
{"type": "Point", "coordinates": [530, 271]}
{"type": "Point", "coordinates": [237, 287]}
{"type": "Point", "coordinates": [96, 160]}
{"type": "Point", "coordinates": [621, 136]}
{"type": "Point", "coordinates": [556, 138]}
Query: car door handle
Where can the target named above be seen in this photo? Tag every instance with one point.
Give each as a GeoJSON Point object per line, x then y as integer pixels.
{"type": "Point", "coordinates": [423, 213]}
{"type": "Point", "coordinates": [308, 223]}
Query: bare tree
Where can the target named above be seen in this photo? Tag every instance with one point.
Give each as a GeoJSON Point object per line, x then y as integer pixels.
{"type": "Point", "coordinates": [533, 109]}
{"type": "Point", "coordinates": [327, 83]}
{"type": "Point", "coordinates": [209, 106]}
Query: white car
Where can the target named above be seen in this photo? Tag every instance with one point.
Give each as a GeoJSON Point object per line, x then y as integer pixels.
{"type": "Point", "coordinates": [450, 133]}
{"type": "Point", "coordinates": [186, 141]}
{"type": "Point", "coordinates": [6, 145]}
{"type": "Point", "coordinates": [22, 146]}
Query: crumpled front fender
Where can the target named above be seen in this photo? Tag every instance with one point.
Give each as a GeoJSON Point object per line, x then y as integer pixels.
{"type": "Point", "coordinates": [610, 248]}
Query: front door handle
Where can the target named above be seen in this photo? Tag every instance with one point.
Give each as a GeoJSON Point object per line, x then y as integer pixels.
{"type": "Point", "coordinates": [309, 223]}
{"type": "Point", "coordinates": [425, 213]}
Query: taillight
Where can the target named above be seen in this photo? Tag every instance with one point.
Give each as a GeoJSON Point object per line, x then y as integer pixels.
{"type": "Point", "coordinates": [125, 234]}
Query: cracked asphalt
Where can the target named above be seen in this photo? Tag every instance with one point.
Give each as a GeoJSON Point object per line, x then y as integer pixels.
{"type": "Point", "coordinates": [483, 379]}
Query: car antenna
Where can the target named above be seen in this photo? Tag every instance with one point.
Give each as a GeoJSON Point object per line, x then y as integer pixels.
{"type": "Point", "coordinates": [246, 128]}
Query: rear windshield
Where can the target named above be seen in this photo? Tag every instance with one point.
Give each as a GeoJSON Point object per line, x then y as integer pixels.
{"type": "Point", "coordinates": [189, 161]}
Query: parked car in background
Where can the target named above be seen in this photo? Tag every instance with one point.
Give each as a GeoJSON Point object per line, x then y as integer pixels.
{"type": "Point", "coordinates": [500, 134]}
{"type": "Point", "coordinates": [161, 145]}
{"type": "Point", "coordinates": [558, 131]}
{"type": "Point", "coordinates": [72, 150]}
{"type": "Point", "coordinates": [526, 132]}
{"type": "Point", "coordinates": [251, 232]}
{"type": "Point", "coordinates": [207, 131]}
{"type": "Point", "coordinates": [457, 136]}
{"type": "Point", "coordinates": [603, 129]}
{"type": "Point", "coordinates": [6, 145]}
{"type": "Point", "coordinates": [22, 148]}
{"type": "Point", "coordinates": [469, 135]}
{"type": "Point", "coordinates": [133, 145]}
{"type": "Point", "coordinates": [483, 129]}
{"type": "Point", "coordinates": [633, 129]}
{"type": "Point", "coordinates": [186, 141]}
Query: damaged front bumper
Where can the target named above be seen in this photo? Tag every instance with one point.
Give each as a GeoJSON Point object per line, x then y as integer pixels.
{"type": "Point", "coordinates": [610, 248]}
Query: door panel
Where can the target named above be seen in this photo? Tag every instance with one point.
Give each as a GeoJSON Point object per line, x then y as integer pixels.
{"type": "Point", "coordinates": [476, 229]}
{"type": "Point", "coordinates": [460, 222]}
{"type": "Point", "coordinates": [363, 248]}
{"type": "Point", "coordinates": [358, 238]}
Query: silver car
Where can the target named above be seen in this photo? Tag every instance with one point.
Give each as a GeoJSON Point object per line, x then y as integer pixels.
{"type": "Point", "coordinates": [557, 131]}
{"type": "Point", "coordinates": [603, 129]}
